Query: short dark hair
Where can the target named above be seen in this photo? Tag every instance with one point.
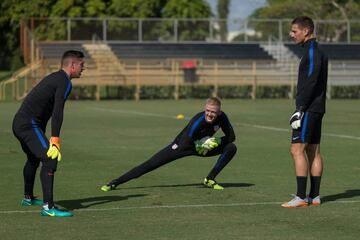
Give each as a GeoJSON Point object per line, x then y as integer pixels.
{"type": "Point", "coordinates": [71, 54]}
{"type": "Point", "coordinates": [304, 22]}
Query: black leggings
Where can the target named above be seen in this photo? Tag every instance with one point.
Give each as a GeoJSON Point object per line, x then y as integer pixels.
{"type": "Point", "coordinates": [34, 143]}
{"type": "Point", "coordinates": [168, 154]}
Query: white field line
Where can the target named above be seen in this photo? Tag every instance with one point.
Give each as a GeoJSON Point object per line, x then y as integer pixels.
{"type": "Point", "coordinates": [173, 207]}
{"type": "Point", "coordinates": [239, 124]}
{"type": "Point", "coordinates": [288, 130]}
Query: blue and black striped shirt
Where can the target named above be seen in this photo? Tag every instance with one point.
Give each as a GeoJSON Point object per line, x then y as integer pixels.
{"type": "Point", "coordinates": [47, 99]}
{"type": "Point", "coordinates": [198, 128]}
{"type": "Point", "coordinates": [312, 78]}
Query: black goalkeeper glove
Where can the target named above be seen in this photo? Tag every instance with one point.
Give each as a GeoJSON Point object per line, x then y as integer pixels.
{"type": "Point", "coordinates": [295, 119]}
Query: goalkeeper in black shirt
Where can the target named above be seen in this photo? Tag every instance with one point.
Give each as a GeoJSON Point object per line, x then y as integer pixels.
{"type": "Point", "coordinates": [194, 140]}
{"type": "Point", "coordinates": [46, 100]}
{"type": "Point", "coordinates": [306, 121]}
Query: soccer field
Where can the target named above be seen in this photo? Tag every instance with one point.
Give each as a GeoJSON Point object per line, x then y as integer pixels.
{"type": "Point", "coordinates": [101, 140]}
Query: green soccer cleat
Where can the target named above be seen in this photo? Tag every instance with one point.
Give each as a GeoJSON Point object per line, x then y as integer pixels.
{"type": "Point", "coordinates": [31, 202]}
{"type": "Point", "coordinates": [212, 184]}
{"type": "Point", "coordinates": [107, 188]}
{"type": "Point", "coordinates": [54, 212]}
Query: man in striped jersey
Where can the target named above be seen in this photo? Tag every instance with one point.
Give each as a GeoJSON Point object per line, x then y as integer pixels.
{"type": "Point", "coordinates": [46, 100]}
{"type": "Point", "coordinates": [306, 121]}
{"type": "Point", "coordinates": [195, 139]}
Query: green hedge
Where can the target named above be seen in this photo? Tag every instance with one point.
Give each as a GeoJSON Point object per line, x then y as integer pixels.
{"type": "Point", "coordinates": [156, 92]}
{"type": "Point", "coordinates": [352, 92]}
{"type": "Point", "coordinates": [197, 91]}
{"type": "Point", "coordinates": [235, 91]}
{"type": "Point", "coordinates": [273, 92]}
{"type": "Point", "coordinates": [193, 91]}
{"type": "Point", "coordinates": [119, 92]}
{"type": "Point", "coordinates": [87, 92]}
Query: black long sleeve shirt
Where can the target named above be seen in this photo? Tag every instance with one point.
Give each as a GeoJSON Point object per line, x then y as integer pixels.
{"type": "Point", "coordinates": [198, 128]}
{"type": "Point", "coordinates": [312, 78]}
{"type": "Point", "coordinates": [47, 99]}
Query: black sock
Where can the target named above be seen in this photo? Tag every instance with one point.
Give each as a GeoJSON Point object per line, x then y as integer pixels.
{"type": "Point", "coordinates": [47, 182]}
{"type": "Point", "coordinates": [315, 186]}
{"type": "Point", "coordinates": [29, 173]}
{"type": "Point", "coordinates": [301, 186]}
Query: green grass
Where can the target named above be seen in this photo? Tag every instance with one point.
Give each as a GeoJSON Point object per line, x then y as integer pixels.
{"type": "Point", "coordinates": [101, 140]}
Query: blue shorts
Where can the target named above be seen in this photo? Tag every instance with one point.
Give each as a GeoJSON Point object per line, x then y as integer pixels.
{"type": "Point", "coordinates": [310, 130]}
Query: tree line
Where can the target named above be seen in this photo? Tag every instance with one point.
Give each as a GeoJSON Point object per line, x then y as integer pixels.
{"type": "Point", "coordinates": [12, 11]}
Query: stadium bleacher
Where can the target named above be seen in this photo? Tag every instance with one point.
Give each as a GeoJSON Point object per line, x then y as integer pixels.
{"type": "Point", "coordinates": [157, 62]}
{"type": "Point", "coordinates": [243, 51]}
{"type": "Point", "coordinates": [189, 50]}
{"type": "Point", "coordinates": [52, 52]}
{"type": "Point", "coordinates": [55, 50]}
{"type": "Point", "coordinates": [164, 50]}
{"type": "Point", "coordinates": [334, 51]}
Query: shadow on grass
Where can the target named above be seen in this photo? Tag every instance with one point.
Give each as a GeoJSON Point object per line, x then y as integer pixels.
{"type": "Point", "coordinates": [92, 201]}
{"type": "Point", "coordinates": [347, 194]}
{"type": "Point", "coordinates": [199, 185]}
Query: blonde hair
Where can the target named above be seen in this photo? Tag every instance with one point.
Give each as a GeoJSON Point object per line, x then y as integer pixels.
{"type": "Point", "coordinates": [214, 101]}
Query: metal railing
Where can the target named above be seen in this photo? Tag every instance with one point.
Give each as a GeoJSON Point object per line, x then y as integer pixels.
{"type": "Point", "coordinates": [21, 82]}
{"type": "Point", "coordinates": [184, 30]}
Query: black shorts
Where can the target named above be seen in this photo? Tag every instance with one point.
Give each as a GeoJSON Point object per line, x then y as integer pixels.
{"type": "Point", "coordinates": [34, 143]}
{"type": "Point", "coordinates": [310, 130]}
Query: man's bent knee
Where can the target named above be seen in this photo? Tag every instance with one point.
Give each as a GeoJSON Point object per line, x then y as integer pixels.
{"type": "Point", "coordinates": [231, 147]}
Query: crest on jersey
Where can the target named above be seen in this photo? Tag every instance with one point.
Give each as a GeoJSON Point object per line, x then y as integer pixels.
{"type": "Point", "coordinates": [216, 127]}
